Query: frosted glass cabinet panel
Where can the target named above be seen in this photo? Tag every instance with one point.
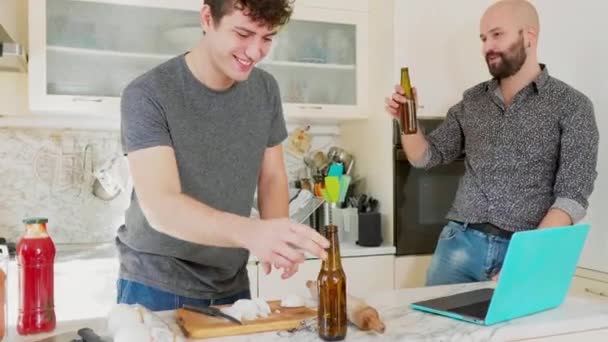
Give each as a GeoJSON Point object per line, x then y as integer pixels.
{"type": "Point", "coordinates": [320, 62]}
{"type": "Point", "coordinates": [97, 48]}
{"type": "Point", "coordinates": [315, 63]}
{"type": "Point", "coordinates": [84, 52]}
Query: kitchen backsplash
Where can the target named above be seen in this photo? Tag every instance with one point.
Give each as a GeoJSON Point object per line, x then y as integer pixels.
{"type": "Point", "coordinates": [48, 173]}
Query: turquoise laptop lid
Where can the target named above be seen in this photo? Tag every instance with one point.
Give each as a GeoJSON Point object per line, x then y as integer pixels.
{"type": "Point", "coordinates": [537, 271]}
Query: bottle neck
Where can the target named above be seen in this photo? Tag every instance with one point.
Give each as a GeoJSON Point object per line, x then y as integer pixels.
{"type": "Point", "coordinates": [333, 261]}
{"type": "Point", "coordinates": [35, 230]}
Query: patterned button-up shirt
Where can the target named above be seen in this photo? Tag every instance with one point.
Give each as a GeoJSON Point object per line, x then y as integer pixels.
{"type": "Point", "coordinates": [538, 153]}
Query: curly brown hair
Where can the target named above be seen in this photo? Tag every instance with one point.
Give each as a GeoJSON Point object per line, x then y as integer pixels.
{"type": "Point", "coordinates": [273, 13]}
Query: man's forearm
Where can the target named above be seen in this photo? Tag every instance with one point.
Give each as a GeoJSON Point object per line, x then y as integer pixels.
{"type": "Point", "coordinates": [185, 218]}
{"type": "Point", "coordinates": [273, 197]}
{"type": "Point", "coordinates": [555, 218]}
{"type": "Point", "coordinates": [415, 146]}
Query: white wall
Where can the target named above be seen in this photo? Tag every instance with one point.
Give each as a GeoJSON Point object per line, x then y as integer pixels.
{"type": "Point", "coordinates": [439, 41]}
{"type": "Point", "coordinates": [573, 43]}
{"type": "Point", "coordinates": [371, 140]}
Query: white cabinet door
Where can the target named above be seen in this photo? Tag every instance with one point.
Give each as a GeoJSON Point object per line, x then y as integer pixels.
{"type": "Point", "coordinates": [364, 276]}
{"type": "Point", "coordinates": [410, 271]}
{"type": "Point", "coordinates": [272, 287]}
{"type": "Point", "coordinates": [586, 286]}
{"type": "Point", "coordinates": [83, 53]}
{"type": "Point", "coordinates": [320, 61]}
{"type": "Point", "coordinates": [367, 275]}
{"type": "Point", "coordinates": [590, 282]}
{"type": "Point", "coordinates": [85, 288]}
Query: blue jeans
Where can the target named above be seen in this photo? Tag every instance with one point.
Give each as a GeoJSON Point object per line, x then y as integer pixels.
{"type": "Point", "coordinates": [465, 255]}
{"type": "Point", "coordinates": [131, 292]}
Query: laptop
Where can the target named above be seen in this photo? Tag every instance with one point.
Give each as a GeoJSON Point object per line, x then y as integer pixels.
{"type": "Point", "coordinates": [536, 275]}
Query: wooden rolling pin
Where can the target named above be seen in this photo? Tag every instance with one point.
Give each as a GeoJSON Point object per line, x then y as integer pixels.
{"type": "Point", "coordinates": [358, 312]}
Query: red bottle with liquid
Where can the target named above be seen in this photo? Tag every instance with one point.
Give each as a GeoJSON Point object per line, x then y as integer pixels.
{"type": "Point", "coordinates": [35, 259]}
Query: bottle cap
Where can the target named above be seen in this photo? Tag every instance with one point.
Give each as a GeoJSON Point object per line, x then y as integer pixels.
{"type": "Point", "coordinates": [35, 220]}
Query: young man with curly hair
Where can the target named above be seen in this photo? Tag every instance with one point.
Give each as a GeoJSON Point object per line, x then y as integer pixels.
{"type": "Point", "coordinates": [201, 132]}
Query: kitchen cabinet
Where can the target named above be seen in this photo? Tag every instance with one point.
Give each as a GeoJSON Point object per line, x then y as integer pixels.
{"type": "Point", "coordinates": [84, 52]}
{"type": "Point", "coordinates": [320, 61]}
{"type": "Point", "coordinates": [410, 271]}
{"type": "Point", "coordinates": [352, 5]}
{"type": "Point", "coordinates": [590, 282]}
{"type": "Point", "coordinates": [364, 276]}
{"type": "Point", "coordinates": [82, 289]}
{"type": "Point", "coordinates": [85, 288]}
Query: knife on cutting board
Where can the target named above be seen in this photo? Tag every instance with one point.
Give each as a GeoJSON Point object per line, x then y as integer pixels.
{"type": "Point", "coordinates": [211, 311]}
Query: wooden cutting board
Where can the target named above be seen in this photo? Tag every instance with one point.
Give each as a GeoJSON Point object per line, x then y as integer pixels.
{"type": "Point", "coordinates": [197, 325]}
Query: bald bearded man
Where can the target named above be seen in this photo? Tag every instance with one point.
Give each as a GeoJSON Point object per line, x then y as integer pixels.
{"type": "Point", "coordinates": [530, 143]}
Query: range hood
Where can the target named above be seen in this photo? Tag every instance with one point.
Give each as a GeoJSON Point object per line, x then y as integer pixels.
{"type": "Point", "coordinates": [12, 55]}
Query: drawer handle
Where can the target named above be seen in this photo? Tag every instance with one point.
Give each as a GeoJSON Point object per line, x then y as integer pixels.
{"type": "Point", "coordinates": [86, 99]}
{"type": "Point", "coordinates": [601, 294]}
{"type": "Point", "coordinates": [311, 107]}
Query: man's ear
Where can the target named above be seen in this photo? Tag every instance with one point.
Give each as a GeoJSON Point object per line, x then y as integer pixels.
{"type": "Point", "coordinates": [531, 36]}
{"type": "Point", "coordinates": [206, 18]}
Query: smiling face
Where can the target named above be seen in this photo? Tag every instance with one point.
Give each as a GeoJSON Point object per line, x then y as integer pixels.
{"type": "Point", "coordinates": [236, 43]}
{"type": "Point", "coordinates": [504, 52]}
{"type": "Point", "coordinates": [508, 32]}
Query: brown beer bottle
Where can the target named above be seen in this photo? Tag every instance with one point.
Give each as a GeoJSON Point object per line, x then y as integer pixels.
{"type": "Point", "coordinates": [332, 291]}
{"type": "Point", "coordinates": [407, 112]}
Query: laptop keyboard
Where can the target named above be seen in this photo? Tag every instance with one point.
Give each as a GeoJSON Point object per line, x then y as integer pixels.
{"type": "Point", "coordinates": [477, 310]}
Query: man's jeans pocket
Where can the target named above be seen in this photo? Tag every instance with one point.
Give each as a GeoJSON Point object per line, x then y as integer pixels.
{"type": "Point", "coordinates": [450, 230]}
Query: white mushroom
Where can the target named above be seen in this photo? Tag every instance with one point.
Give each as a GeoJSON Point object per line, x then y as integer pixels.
{"type": "Point", "coordinates": [292, 301]}
{"type": "Point", "coordinates": [233, 311]}
{"type": "Point", "coordinates": [263, 308]}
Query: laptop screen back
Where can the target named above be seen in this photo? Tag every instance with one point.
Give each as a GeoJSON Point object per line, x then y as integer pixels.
{"type": "Point", "coordinates": [537, 271]}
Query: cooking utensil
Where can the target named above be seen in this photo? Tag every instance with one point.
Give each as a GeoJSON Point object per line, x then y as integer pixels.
{"type": "Point", "coordinates": [333, 153]}
{"type": "Point", "coordinates": [211, 311]}
{"type": "Point", "coordinates": [88, 335]}
{"type": "Point", "coordinates": [317, 161]}
{"type": "Point", "coordinates": [373, 204]}
{"type": "Point", "coordinates": [361, 205]}
{"type": "Point", "coordinates": [344, 184]}
{"type": "Point", "coordinates": [336, 170]}
{"type": "Point", "coordinates": [332, 184]}
{"type": "Point", "coordinates": [339, 155]}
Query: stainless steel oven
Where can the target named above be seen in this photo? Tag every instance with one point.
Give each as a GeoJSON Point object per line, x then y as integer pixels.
{"type": "Point", "coordinates": [422, 198]}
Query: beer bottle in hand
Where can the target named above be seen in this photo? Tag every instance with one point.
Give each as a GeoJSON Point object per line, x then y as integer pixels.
{"type": "Point", "coordinates": [407, 112]}
{"type": "Point", "coordinates": [332, 291]}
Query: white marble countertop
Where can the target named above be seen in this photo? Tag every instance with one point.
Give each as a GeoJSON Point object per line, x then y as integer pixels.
{"type": "Point", "coordinates": [584, 318]}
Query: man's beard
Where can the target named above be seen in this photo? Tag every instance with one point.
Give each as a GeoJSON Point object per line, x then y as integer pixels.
{"type": "Point", "coordinates": [510, 61]}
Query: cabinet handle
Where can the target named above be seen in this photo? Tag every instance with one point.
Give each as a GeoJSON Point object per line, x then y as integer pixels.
{"type": "Point", "coordinates": [311, 107]}
{"type": "Point", "coordinates": [86, 99]}
{"type": "Point", "coordinates": [601, 294]}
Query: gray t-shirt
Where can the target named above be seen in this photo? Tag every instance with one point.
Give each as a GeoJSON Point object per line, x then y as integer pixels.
{"type": "Point", "coordinates": [219, 138]}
